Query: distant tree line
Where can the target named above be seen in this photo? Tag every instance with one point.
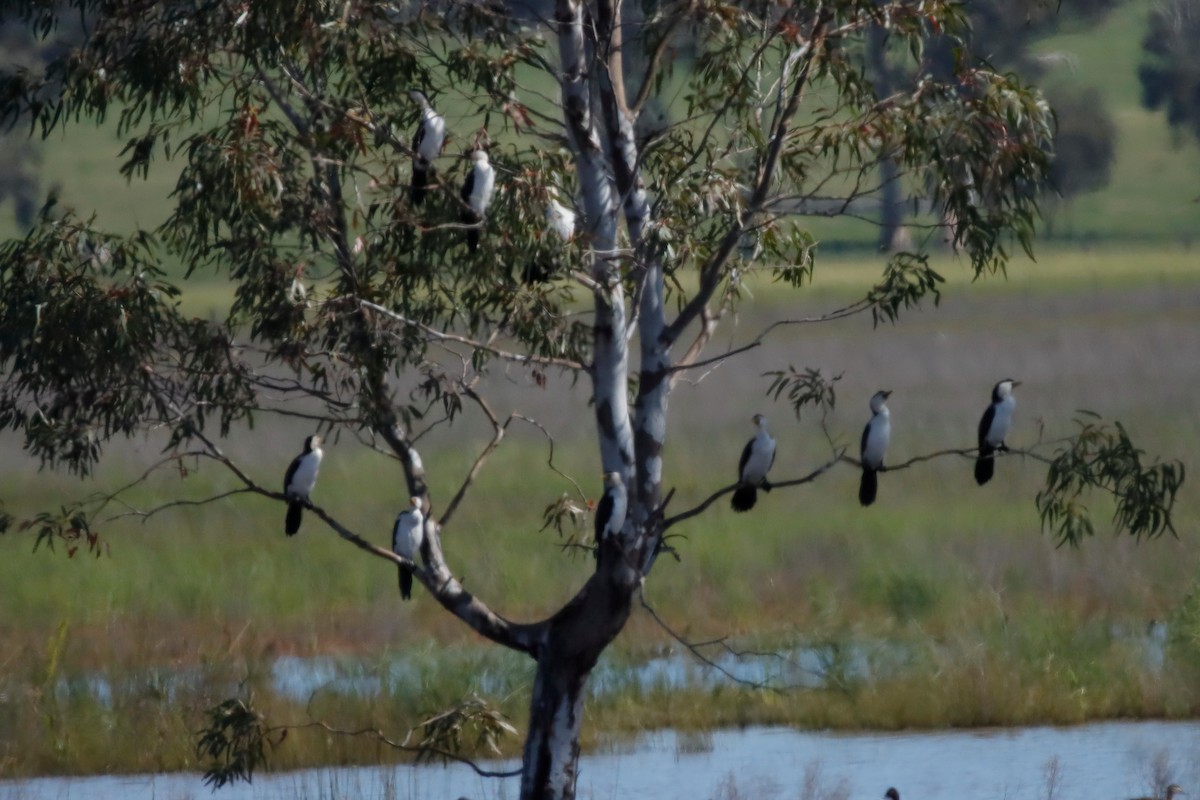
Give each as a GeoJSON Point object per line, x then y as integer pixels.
{"type": "Point", "coordinates": [1170, 68]}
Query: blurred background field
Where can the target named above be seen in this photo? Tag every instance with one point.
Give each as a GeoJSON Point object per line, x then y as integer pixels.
{"type": "Point", "coordinates": [961, 610]}
{"type": "Point", "coordinates": [949, 604]}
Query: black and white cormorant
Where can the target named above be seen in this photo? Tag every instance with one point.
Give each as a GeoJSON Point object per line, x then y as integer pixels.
{"type": "Point", "coordinates": [477, 194]}
{"type": "Point", "coordinates": [610, 511]}
{"type": "Point", "coordinates": [427, 146]}
{"type": "Point", "coordinates": [560, 230]}
{"type": "Point", "coordinates": [994, 427]}
{"type": "Point", "coordinates": [407, 535]}
{"type": "Point", "coordinates": [757, 458]}
{"type": "Point", "coordinates": [875, 438]}
{"type": "Point", "coordinates": [559, 218]}
{"type": "Point", "coordinates": [299, 480]}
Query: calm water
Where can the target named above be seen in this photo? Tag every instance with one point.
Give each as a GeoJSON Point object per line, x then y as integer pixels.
{"type": "Point", "coordinates": [1110, 760]}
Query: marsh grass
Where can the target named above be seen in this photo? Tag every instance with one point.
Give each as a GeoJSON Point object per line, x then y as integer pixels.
{"type": "Point", "coordinates": [985, 620]}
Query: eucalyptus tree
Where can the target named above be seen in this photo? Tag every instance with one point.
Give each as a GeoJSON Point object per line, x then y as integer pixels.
{"type": "Point", "coordinates": [288, 124]}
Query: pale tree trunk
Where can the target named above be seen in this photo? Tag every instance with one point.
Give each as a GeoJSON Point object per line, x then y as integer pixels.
{"type": "Point", "coordinates": [568, 645]}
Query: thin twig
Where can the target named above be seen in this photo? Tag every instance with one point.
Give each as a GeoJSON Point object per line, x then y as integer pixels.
{"type": "Point", "coordinates": [519, 358]}
{"type": "Point", "coordinates": [695, 648]}
{"type": "Point", "coordinates": [385, 739]}
{"type": "Point", "coordinates": [809, 478]}
{"type": "Point", "coordinates": [498, 431]}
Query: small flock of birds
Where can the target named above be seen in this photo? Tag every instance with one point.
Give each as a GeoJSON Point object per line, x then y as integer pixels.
{"type": "Point", "coordinates": [480, 183]}
{"type": "Point", "coordinates": [759, 453]}
{"type": "Point", "coordinates": [408, 533]}
{"type": "Point", "coordinates": [427, 145]}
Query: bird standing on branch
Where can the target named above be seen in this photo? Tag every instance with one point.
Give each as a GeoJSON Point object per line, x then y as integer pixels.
{"type": "Point", "coordinates": [756, 461]}
{"type": "Point", "coordinates": [299, 480]}
{"type": "Point", "coordinates": [407, 536]}
{"type": "Point", "coordinates": [875, 438]}
{"type": "Point", "coordinates": [427, 145]}
{"type": "Point", "coordinates": [610, 511]}
{"type": "Point", "coordinates": [477, 194]}
{"type": "Point", "coordinates": [560, 223]}
{"type": "Point", "coordinates": [559, 218]}
{"type": "Point", "coordinates": [993, 427]}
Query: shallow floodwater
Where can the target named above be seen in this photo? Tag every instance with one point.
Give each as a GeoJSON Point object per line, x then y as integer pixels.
{"type": "Point", "coordinates": [1108, 760]}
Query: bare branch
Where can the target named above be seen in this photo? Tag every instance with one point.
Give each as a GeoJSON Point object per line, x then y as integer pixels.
{"type": "Point", "coordinates": [518, 358]}
{"type": "Point", "coordinates": [694, 648]}
{"type": "Point", "coordinates": [717, 495]}
{"type": "Point", "coordinates": [710, 272]}
{"type": "Point", "coordinates": [498, 431]}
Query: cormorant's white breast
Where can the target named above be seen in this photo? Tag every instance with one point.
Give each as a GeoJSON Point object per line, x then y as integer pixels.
{"type": "Point", "coordinates": [757, 457]}
{"type": "Point", "coordinates": [477, 194]}
{"type": "Point", "coordinates": [559, 218]}
{"type": "Point", "coordinates": [993, 427]}
{"type": "Point", "coordinates": [407, 536]}
{"type": "Point", "coordinates": [299, 480]}
{"type": "Point", "coordinates": [875, 438]}
{"type": "Point", "coordinates": [427, 146]}
{"type": "Point", "coordinates": [610, 511]}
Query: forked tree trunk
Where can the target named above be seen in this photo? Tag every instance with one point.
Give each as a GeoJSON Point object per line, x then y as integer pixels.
{"type": "Point", "coordinates": [574, 640]}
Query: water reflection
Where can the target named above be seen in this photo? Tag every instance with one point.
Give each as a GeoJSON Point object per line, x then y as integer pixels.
{"type": "Point", "coordinates": [1109, 760]}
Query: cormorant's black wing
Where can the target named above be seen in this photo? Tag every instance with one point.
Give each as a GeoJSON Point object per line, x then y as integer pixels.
{"type": "Point", "coordinates": [291, 472]}
{"type": "Point", "coordinates": [985, 425]}
{"type": "Point", "coordinates": [469, 186]}
{"type": "Point", "coordinates": [745, 457]}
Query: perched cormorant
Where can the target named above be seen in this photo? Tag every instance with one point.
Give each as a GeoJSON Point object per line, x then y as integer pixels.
{"type": "Point", "coordinates": [993, 428]}
{"type": "Point", "coordinates": [891, 794]}
{"type": "Point", "coordinates": [875, 437]}
{"type": "Point", "coordinates": [299, 480]}
{"type": "Point", "coordinates": [427, 145]}
{"type": "Point", "coordinates": [559, 218]}
{"type": "Point", "coordinates": [407, 536]}
{"type": "Point", "coordinates": [610, 511]}
{"type": "Point", "coordinates": [477, 194]}
{"type": "Point", "coordinates": [560, 221]}
{"type": "Point", "coordinates": [757, 458]}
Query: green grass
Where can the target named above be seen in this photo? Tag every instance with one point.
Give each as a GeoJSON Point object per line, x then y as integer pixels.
{"type": "Point", "coordinates": [1151, 198]}
{"type": "Point", "coordinates": [1005, 627]}
{"type": "Point", "coordinates": [1001, 626]}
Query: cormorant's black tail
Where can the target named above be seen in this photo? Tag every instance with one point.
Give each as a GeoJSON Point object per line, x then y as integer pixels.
{"type": "Point", "coordinates": [406, 579]}
{"type": "Point", "coordinates": [470, 218]}
{"type": "Point", "coordinates": [417, 193]}
{"type": "Point", "coordinates": [868, 487]}
{"type": "Point", "coordinates": [985, 466]}
{"type": "Point", "coordinates": [539, 270]}
{"type": "Point", "coordinates": [292, 524]}
{"type": "Point", "coordinates": [744, 497]}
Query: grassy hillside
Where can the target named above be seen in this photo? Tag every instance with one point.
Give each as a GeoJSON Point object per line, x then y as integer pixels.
{"type": "Point", "coordinates": [1150, 200]}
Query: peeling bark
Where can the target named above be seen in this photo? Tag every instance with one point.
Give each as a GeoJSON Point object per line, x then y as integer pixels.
{"type": "Point", "coordinates": [573, 641]}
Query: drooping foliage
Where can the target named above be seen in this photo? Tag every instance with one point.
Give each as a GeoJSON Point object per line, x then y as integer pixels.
{"type": "Point", "coordinates": [287, 128]}
{"type": "Point", "coordinates": [289, 124]}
